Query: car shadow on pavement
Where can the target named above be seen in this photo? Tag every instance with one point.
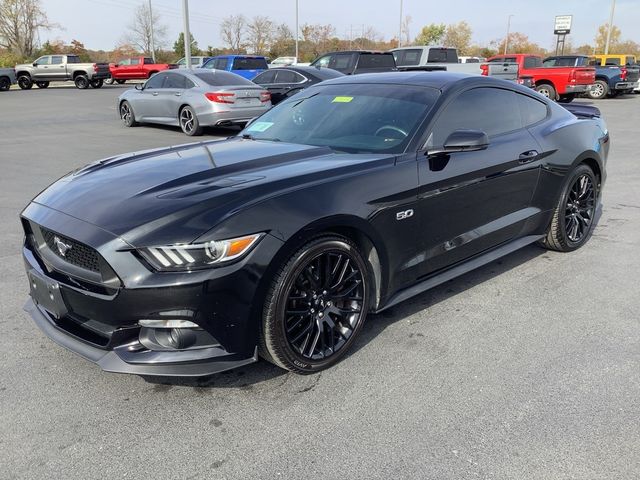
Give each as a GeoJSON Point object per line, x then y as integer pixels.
{"type": "Point", "coordinates": [245, 377]}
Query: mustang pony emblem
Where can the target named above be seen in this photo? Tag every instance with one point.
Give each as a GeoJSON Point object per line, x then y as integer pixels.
{"type": "Point", "coordinates": [62, 247]}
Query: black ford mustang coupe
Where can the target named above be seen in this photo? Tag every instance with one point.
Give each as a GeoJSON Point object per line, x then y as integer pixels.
{"type": "Point", "coordinates": [345, 199]}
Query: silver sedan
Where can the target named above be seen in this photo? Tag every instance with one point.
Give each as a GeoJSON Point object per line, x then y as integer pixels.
{"type": "Point", "coordinates": [193, 99]}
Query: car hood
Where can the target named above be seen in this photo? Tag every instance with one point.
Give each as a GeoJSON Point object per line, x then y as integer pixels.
{"type": "Point", "coordinates": [176, 194]}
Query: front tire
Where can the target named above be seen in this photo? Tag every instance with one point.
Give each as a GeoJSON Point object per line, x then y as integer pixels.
{"type": "Point", "coordinates": [97, 83]}
{"type": "Point", "coordinates": [573, 217]}
{"type": "Point", "coordinates": [126, 115]}
{"type": "Point", "coordinates": [316, 306]}
{"type": "Point", "coordinates": [120, 82]}
{"type": "Point", "coordinates": [42, 84]}
{"type": "Point", "coordinates": [25, 82]}
{"type": "Point", "coordinates": [81, 82]}
{"type": "Point", "coordinates": [189, 121]}
{"type": "Point", "coordinates": [5, 84]}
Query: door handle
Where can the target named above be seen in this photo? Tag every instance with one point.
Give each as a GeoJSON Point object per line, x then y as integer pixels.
{"type": "Point", "coordinates": [178, 94]}
{"type": "Point", "coordinates": [528, 156]}
{"type": "Point", "coordinates": [155, 94]}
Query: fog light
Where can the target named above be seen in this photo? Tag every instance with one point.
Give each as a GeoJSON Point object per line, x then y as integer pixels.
{"type": "Point", "coordinates": [177, 338]}
{"type": "Point", "coordinates": [167, 324]}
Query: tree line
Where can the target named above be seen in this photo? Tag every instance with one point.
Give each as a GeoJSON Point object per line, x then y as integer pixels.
{"type": "Point", "coordinates": [21, 20]}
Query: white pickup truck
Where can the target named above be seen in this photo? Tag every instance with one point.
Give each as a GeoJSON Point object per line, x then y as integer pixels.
{"type": "Point", "coordinates": [433, 58]}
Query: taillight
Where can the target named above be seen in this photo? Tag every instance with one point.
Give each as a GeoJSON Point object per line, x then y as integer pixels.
{"type": "Point", "coordinates": [221, 97]}
{"type": "Point", "coordinates": [623, 75]}
{"type": "Point", "coordinates": [485, 69]}
{"type": "Point", "coordinates": [265, 96]}
{"type": "Point", "coordinates": [95, 67]}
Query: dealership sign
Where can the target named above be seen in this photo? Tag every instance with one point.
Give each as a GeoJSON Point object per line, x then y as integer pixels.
{"type": "Point", "coordinates": [562, 25]}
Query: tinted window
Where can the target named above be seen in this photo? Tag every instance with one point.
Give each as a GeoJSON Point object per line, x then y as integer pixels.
{"type": "Point", "coordinates": [408, 57]}
{"type": "Point", "coordinates": [367, 60]}
{"type": "Point", "coordinates": [351, 117]}
{"type": "Point", "coordinates": [73, 59]}
{"type": "Point", "coordinates": [189, 83]}
{"type": "Point", "coordinates": [559, 62]}
{"type": "Point", "coordinates": [503, 60]}
{"type": "Point", "coordinates": [322, 61]}
{"type": "Point", "coordinates": [148, 61]}
{"type": "Point", "coordinates": [442, 55]}
{"type": "Point", "coordinates": [532, 62]}
{"type": "Point", "coordinates": [612, 61]}
{"type": "Point", "coordinates": [265, 77]}
{"type": "Point", "coordinates": [491, 110]}
{"type": "Point", "coordinates": [325, 73]}
{"type": "Point", "coordinates": [219, 78]}
{"type": "Point", "coordinates": [341, 61]}
{"type": "Point", "coordinates": [155, 81]}
{"type": "Point", "coordinates": [250, 64]}
{"type": "Point", "coordinates": [175, 81]}
{"type": "Point", "coordinates": [57, 60]}
{"type": "Point", "coordinates": [134, 61]}
{"type": "Point", "coordinates": [287, 76]}
{"type": "Point", "coordinates": [533, 111]}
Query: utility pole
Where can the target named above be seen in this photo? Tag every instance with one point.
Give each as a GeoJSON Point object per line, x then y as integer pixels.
{"type": "Point", "coordinates": [187, 33]}
{"type": "Point", "coordinates": [297, 30]}
{"type": "Point", "coordinates": [153, 44]}
{"type": "Point", "coordinates": [613, 9]}
{"type": "Point", "coordinates": [400, 29]}
{"type": "Point", "coordinates": [506, 42]}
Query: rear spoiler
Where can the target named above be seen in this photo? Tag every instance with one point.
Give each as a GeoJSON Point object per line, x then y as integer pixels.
{"type": "Point", "coordinates": [583, 111]}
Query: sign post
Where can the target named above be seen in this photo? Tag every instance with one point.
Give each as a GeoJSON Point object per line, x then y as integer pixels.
{"type": "Point", "coordinates": [562, 28]}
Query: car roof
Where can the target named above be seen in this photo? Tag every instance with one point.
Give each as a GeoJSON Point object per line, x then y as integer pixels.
{"type": "Point", "coordinates": [321, 72]}
{"type": "Point", "coordinates": [238, 56]}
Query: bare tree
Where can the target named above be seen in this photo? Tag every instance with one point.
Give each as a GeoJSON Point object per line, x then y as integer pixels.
{"type": "Point", "coordinates": [233, 31]}
{"type": "Point", "coordinates": [19, 24]}
{"type": "Point", "coordinates": [317, 36]}
{"type": "Point", "coordinates": [406, 34]}
{"type": "Point", "coordinates": [141, 27]}
{"type": "Point", "coordinates": [260, 34]}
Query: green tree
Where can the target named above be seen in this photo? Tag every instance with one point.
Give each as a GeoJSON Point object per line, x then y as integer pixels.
{"type": "Point", "coordinates": [458, 36]}
{"type": "Point", "coordinates": [431, 34]}
{"type": "Point", "coordinates": [178, 46]}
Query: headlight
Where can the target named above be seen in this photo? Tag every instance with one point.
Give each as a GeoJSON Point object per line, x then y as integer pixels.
{"type": "Point", "coordinates": [197, 256]}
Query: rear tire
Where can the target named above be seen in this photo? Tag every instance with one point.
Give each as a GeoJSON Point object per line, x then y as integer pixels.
{"type": "Point", "coordinates": [598, 90]}
{"type": "Point", "coordinates": [5, 84]}
{"type": "Point", "coordinates": [81, 82]}
{"type": "Point", "coordinates": [547, 90]}
{"type": "Point", "coordinates": [120, 82]}
{"type": "Point", "coordinates": [573, 217]}
{"type": "Point", "coordinates": [109, 81]}
{"type": "Point", "coordinates": [97, 83]}
{"type": "Point", "coordinates": [126, 115]}
{"type": "Point", "coordinates": [189, 121]}
{"type": "Point", "coordinates": [42, 84]}
{"type": "Point", "coordinates": [316, 306]}
{"type": "Point", "coordinates": [25, 82]}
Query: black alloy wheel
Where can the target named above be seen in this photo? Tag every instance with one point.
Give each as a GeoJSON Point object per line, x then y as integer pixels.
{"type": "Point", "coordinates": [316, 306]}
{"type": "Point", "coordinates": [573, 218]}
{"type": "Point", "coordinates": [97, 83]}
{"type": "Point", "coordinates": [81, 82]}
{"type": "Point", "coordinates": [5, 84]}
{"type": "Point", "coordinates": [42, 84]}
{"type": "Point", "coordinates": [25, 82]}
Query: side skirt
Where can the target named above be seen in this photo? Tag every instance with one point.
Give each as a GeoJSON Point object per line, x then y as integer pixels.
{"type": "Point", "coordinates": [460, 269]}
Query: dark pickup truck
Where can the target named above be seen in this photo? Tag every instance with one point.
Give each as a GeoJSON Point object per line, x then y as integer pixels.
{"type": "Point", "coordinates": [611, 80]}
{"type": "Point", "coordinates": [360, 61]}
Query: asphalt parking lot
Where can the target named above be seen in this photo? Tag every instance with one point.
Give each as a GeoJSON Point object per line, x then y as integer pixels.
{"type": "Point", "coordinates": [528, 368]}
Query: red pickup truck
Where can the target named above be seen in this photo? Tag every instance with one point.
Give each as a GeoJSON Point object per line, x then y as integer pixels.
{"type": "Point", "coordinates": [136, 68]}
{"type": "Point", "coordinates": [559, 83]}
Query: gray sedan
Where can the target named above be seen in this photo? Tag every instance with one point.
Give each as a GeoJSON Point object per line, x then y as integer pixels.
{"type": "Point", "coordinates": [193, 99]}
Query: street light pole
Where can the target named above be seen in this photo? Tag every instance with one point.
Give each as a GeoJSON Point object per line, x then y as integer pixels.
{"type": "Point", "coordinates": [186, 32]}
{"type": "Point", "coordinates": [606, 45]}
{"type": "Point", "coordinates": [506, 42]}
{"type": "Point", "coordinates": [296, 31]}
{"type": "Point", "coordinates": [153, 45]}
{"type": "Point", "coordinates": [400, 29]}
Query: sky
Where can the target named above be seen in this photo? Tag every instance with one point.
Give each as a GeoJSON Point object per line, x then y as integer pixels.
{"type": "Point", "coordinates": [101, 24]}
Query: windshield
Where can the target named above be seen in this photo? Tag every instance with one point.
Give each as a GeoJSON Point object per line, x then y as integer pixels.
{"type": "Point", "coordinates": [354, 118]}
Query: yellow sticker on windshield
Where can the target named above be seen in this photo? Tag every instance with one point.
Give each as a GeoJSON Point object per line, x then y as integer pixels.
{"type": "Point", "coordinates": [342, 99]}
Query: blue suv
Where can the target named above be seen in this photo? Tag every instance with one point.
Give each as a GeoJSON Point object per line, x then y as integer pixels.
{"type": "Point", "coordinates": [247, 66]}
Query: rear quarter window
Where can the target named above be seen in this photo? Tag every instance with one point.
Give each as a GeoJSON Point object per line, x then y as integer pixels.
{"type": "Point", "coordinates": [532, 110]}
{"type": "Point", "coordinates": [408, 57]}
{"type": "Point", "coordinates": [533, 62]}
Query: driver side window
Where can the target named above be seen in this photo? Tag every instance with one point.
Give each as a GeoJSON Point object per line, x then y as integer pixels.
{"type": "Point", "coordinates": [155, 82]}
{"type": "Point", "coordinates": [43, 60]}
{"type": "Point", "coordinates": [323, 61]}
{"type": "Point", "coordinates": [491, 110]}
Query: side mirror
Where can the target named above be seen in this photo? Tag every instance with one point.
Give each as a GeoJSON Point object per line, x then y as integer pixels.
{"type": "Point", "coordinates": [139, 86]}
{"type": "Point", "coordinates": [35, 64]}
{"type": "Point", "coordinates": [464, 141]}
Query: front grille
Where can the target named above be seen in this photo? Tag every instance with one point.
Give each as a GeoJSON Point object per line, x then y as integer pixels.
{"type": "Point", "coordinates": [77, 253]}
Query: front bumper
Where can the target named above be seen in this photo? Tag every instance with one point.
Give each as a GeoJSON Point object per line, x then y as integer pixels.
{"type": "Point", "coordinates": [99, 319]}
{"type": "Point", "coordinates": [578, 88]}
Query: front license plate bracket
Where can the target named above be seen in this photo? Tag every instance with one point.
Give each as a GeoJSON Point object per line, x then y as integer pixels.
{"type": "Point", "coordinates": [46, 293]}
